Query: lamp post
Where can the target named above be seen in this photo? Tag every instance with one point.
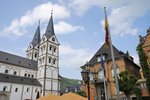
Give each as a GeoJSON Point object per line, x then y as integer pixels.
{"type": "Point", "coordinates": [86, 79]}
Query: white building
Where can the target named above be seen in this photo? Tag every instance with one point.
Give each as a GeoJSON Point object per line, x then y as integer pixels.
{"type": "Point", "coordinates": [23, 78]}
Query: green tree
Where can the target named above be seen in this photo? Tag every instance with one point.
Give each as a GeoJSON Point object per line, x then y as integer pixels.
{"type": "Point", "coordinates": [81, 93]}
{"type": "Point", "coordinates": [127, 83]}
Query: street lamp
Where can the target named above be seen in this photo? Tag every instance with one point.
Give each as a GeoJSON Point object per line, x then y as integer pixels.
{"type": "Point", "coordinates": [86, 79]}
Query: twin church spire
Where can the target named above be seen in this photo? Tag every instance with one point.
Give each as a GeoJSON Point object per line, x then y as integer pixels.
{"type": "Point", "coordinates": [48, 33]}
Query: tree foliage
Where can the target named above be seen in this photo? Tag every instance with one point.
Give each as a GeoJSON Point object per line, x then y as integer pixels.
{"type": "Point", "coordinates": [127, 83]}
{"type": "Point", "coordinates": [142, 59]}
{"type": "Point", "coordinates": [138, 93]}
{"type": "Point", "coordinates": [81, 93]}
{"type": "Point", "coordinates": [144, 64]}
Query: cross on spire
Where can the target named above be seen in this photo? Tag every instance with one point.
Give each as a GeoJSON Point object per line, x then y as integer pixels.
{"type": "Point", "coordinates": [52, 11]}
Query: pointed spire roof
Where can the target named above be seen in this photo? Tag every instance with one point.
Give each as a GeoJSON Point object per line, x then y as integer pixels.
{"type": "Point", "coordinates": [50, 28]}
{"type": "Point", "coordinates": [36, 38]}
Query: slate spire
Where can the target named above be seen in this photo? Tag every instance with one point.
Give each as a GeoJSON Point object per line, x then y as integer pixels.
{"type": "Point", "coordinates": [50, 28]}
{"type": "Point", "coordinates": [36, 38]}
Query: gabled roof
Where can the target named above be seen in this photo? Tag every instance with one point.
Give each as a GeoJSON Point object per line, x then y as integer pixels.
{"type": "Point", "coordinates": [36, 38]}
{"type": "Point", "coordinates": [19, 80]}
{"type": "Point", "coordinates": [50, 28]}
{"type": "Point", "coordinates": [17, 60]}
{"type": "Point", "coordinates": [107, 52]}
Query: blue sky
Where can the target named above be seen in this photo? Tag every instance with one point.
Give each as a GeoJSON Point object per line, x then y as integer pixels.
{"type": "Point", "coordinates": [78, 26]}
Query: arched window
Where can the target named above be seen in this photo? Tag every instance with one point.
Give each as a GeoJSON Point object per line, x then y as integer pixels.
{"type": "Point", "coordinates": [117, 71]}
{"type": "Point", "coordinates": [54, 61]}
{"type": "Point", "coordinates": [53, 39]}
{"type": "Point", "coordinates": [27, 89]}
{"type": "Point", "coordinates": [55, 49]}
{"type": "Point", "coordinates": [28, 75]}
{"type": "Point", "coordinates": [101, 75]}
{"type": "Point", "coordinates": [25, 74]}
{"type": "Point", "coordinates": [16, 89]}
{"type": "Point", "coordinates": [49, 59]}
{"type": "Point", "coordinates": [6, 70]}
{"type": "Point", "coordinates": [15, 72]}
{"type": "Point", "coordinates": [4, 88]}
{"type": "Point", "coordinates": [112, 73]}
{"type": "Point", "coordinates": [35, 55]}
{"type": "Point", "coordinates": [32, 76]}
{"type": "Point", "coordinates": [50, 47]}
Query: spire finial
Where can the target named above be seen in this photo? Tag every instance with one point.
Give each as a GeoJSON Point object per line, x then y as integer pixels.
{"type": "Point", "coordinates": [52, 11]}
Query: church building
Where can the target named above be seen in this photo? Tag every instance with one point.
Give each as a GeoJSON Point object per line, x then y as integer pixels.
{"type": "Point", "coordinates": [24, 78]}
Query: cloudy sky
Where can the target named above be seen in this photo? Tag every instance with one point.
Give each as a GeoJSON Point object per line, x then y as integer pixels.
{"type": "Point", "coordinates": [79, 27]}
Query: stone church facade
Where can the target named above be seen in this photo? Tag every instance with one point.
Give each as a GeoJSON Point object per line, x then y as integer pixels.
{"type": "Point", "coordinates": [23, 78]}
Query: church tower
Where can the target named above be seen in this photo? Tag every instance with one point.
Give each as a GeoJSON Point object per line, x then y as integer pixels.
{"type": "Point", "coordinates": [33, 48]}
{"type": "Point", "coordinates": [48, 61]}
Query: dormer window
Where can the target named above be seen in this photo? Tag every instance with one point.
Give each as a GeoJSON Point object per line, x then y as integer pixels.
{"type": "Point", "coordinates": [53, 39]}
{"type": "Point", "coordinates": [99, 58]}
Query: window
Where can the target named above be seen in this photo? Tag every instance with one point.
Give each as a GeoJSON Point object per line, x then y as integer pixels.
{"type": "Point", "coordinates": [36, 90]}
{"type": "Point", "coordinates": [32, 76]}
{"type": "Point", "coordinates": [16, 89]}
{"type": "Point", "coordinates": [4, 88]}
{"type": "Point", "coordinates": [118, 70]}
{"type": "Point", "coordinates": [27, 89]}
{"type": "Point", "coordinates": [54, 61]}
{"type": "Point", "coordinates": [50, 47]}
{"type": "Point", "coordinates": [25, 74]}
{"type": "Point", "coordinates": [54, 49]}
{"type": "Point", "coordinates": [53, 39]}
{"type": "Point", "coordinates": [98, 59]}
{"type": "Point", "coordinates": [35, 55]}
{"type": "Point", "coordinates": [112, 73]}
{"type": "Point", "coordinates": [49, 60]}
{"type": "Point", "coordinates": [28, 75]}
{"type": "Point", "coordinates": [101, 75]}
{"type": "Point", "coordinates": [6, 70]}
{"type": "Point", "coordinates": [15, 72]}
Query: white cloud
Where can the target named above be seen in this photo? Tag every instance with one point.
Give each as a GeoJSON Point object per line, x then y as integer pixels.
{"type": "Point", "coordinates": [17, 26]}
{"type": "Point", "coordinates": [72, 57]}
{"type": "Point", "coordinates": [123, 13]}
{"type": "Point", "coordinates": [65, 28]}
{"type": "Point", "coordinates": [136, 59]}
{"type": "Point", "coordinates": [121, 19]}
{"type": "Point", "coordinates": [80, 7]}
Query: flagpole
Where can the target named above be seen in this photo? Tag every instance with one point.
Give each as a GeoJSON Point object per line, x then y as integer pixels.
{"type": "Point", "coordinates": [113, 59]}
